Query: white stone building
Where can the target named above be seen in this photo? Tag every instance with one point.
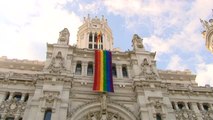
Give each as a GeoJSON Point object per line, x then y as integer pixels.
{"type": "Point", "coordinates": [60, 88]}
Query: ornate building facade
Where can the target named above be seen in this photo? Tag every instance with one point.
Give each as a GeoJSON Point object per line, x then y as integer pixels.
{"type": "Point", "coordinates": [60, 88]}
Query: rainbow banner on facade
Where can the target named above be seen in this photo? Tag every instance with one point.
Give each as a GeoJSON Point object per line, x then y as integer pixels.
{"type": "Point", "coordinates": [103, 71]}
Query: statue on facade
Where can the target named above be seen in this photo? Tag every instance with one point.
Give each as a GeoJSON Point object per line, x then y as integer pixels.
{"type": "Point", "coordinates": [205, 24]}
{"type": "Point", "coordinates": [137, 42]}
{"type": "Point", "coordinates": [64, 36]}
{"type": "Point", "coordinates": [57, 64]}
{"type": "Point", "coordinates": [147, 70]}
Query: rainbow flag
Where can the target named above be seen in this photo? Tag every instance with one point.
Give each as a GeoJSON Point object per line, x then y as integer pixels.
{"type": "Point", "coordinates": [103, 71]}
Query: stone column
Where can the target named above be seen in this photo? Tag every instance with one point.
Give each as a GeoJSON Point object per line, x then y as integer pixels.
{"type": "Point", "coordinates": [176, 106]}
{"type": "Point", "coordinates": [119, 71]}
{"type": "Point", "coordinates": [23, 96]}
{"type": "Point", "coordinates": [73, 67]}
{"type": "Point", "coordinates": [93, 38]}
{"type": "Point", "coordinates": [194, 106]}
{"type": "Point", "coordinates": [210, 106]}
{"type": "Point", "coordinates": [186, 105]}
{"type": "Point", "coordinates": [11, 96]}
{"type": "Point", "coordinates": [128, 71]}
{"type": "Point", "coordinates": [84, 68]}
{"type": "Point", "coordinates": [201, 106]}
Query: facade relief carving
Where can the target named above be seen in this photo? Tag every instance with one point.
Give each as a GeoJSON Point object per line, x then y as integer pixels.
{"type": "Point", "coordinates": [207, 115]}
{"type": "Point", "coordinates": [57, 64]}
{"type": "Point", "coordinates": [147, 70]}
{"type": "Point", "coordinates": [50, 99]}
{"type": "Point", "coordinates": [185, 114]}
{"type": "Point", "coordinates": [97, 115]}
{"type": "Point", "coordinates": [12, 107]}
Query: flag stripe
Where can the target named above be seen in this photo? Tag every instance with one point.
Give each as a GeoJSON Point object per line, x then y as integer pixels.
{"type": "Point", "coordinates": [103, 71]}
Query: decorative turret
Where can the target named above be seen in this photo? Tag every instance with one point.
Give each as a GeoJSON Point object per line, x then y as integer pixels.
{"type": "Point", "coordinates": [89, 31]}
{"type": "Point", "coordinates": [208, 33]}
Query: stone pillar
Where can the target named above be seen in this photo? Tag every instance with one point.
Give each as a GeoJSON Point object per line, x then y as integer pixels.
{"type": "Point", "coordinates": [128, 71]}
{"type": "Point", "coordinates": [11, 96]}
{"type": "Point", "coordinates": [196, 110]}
{"type": "Point", "coordinates": [119, 71]}
{"type": "Point", "coordinates": [23, 96]}
{"type": "Point", "coordinates": [84, 68]}
{"type": "Point", "coordinates": [186, 105]}
{"type": "Point", "coordinates": [93, 38]}
{"type": "Point", "coordinates": [73, 68]}
{"type": "Point", "coordinates": [176, 106]}
{"type": "Point", "coordinates": [210, 106]}
{"type": "Point", "coordinates": [201, 106]}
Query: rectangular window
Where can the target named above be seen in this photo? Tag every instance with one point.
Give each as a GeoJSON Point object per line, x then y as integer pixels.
{"type": "Point", "coordinates": [78, 69]}
{"type": "Point", "coordinates": [90, 46]}
{"type": "Point", "coordinates": [124, 71]}
{"type": "Point", "coordinates": [90, 69]}
{"type": "Point", "coordinates": [95, 46]}
{"type": "Point", "coordinates": [114, 73]}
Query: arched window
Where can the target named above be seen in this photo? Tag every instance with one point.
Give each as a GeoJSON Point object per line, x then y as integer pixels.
{"type": "Point", "coordinates": [48, 114]}
{"type": "Point", "coordinates": [114, 73]}
{"type": "Point", "coordinates": [124, 71]}
{"type": "Point", "coordinates": [206, 106]}
{"type": "Point", "coordinates": [10, 118]}
{"type": "Point", "coordinates": [26, 97]}
{"type": "Point", "coordinates": [102, 38]}
{"type": "Point", "coordinates": [90, 37]}
{"type": "Point", "coordinates": [90, 69]}
{"type": "Point", "coordinates": [158, 116]}
{"type": "Point", "coordinates": [180, 105]}
{"type": "Point", "coordinates": [7, 96]}
{"type": "Point", "coordinates": [17, 96]}
{"type": "Point", "coordinates": [78, 68]}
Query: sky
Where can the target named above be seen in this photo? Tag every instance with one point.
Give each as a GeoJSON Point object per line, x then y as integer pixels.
{"type": "Point", "coordinates": [171, 28]}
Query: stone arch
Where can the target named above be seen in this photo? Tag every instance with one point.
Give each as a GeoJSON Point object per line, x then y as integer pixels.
{"type": "Point", "coordinates": [96, 107]}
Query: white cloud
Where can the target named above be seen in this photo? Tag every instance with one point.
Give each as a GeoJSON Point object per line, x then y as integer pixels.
{"type": "Point", "coordinates": [176, 63]}
{"type": "Point", "coordinates": [204, 74]}
{"type": "Point", "coordinates": [158, 44]}
{"type": "Point", "coordinates": [27, 26]}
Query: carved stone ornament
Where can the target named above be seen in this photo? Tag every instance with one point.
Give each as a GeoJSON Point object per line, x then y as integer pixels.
{"type": "Point", "coordinates": [57, 64]}
{"type": "Point", "coordinates": [12, 107]}
{"type": "Point", "coordinates": [207, 115]}
{"type": "Point", "coordinates": [147, 70]}
{"type": "Point", "coordinates": [97, 115]}
{"type": "Point", "coordinates": [50, 98]}
{"type": "Point", "coordinates": [185, 114]}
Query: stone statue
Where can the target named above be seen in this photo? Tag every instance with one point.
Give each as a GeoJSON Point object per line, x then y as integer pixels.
{"type": "Point", "coordinates": [137, 42]}
{"type": "Point", "coordinates": [205, 24]}
{"type": "Point", "coordinates": [64, 36]}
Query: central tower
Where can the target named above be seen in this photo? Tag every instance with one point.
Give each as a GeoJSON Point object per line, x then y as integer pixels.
{"type": "Point", "coordinates": [88, 33]}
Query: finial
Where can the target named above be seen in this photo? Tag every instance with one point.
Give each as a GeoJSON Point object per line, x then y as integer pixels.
{"type": "Point", "coordinates": [88, 16]}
